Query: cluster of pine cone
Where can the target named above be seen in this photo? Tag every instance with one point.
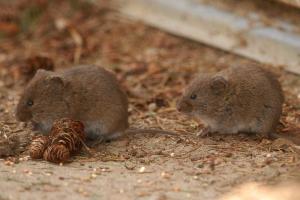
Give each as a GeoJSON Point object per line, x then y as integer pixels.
{"type": "Point", "coordinates": [66, 138]}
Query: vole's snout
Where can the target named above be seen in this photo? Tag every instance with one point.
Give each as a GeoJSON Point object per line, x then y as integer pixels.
{"type": "Point", "coordinates": [22, 114]}
{"type": "Point", "coordinates": [184, 106]}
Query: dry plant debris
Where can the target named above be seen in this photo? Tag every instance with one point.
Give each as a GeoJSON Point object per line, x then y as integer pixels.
{"type": "Point", "coordinates": [13, 140]}
{"type": "Point", "coordinates": [66, 138]}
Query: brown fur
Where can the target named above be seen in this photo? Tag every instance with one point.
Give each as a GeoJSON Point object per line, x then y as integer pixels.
{"type": "Point", "coordinates": [86, 93]}
{"type": "Point", "coordinates": [238, 99]}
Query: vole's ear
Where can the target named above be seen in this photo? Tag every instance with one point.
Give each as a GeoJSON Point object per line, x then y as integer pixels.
{"type": "Point", "coordinates": [56, 81]}
{"type": "Point", "coordinates": [218, 84]}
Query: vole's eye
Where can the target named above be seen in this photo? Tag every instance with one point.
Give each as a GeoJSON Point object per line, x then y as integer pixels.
{"type": "Point", "coordinates": [29, 103]}
{"type": "Point", "coordinates": [193, 96]}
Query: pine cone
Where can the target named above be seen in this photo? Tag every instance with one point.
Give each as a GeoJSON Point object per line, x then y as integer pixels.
{"type": "Point", "coordinates": [65, 124]}
{"type": "Point", "coordinates": [70, 131]}
{"type": "Point", "coordinates": [57, 153]}
{"type": "Point", "coordinates": [68, 136]}
{"type": "Point", "coordinates": [32, 64]}
{"type": "Point", "coordinates": [69, 139]}
{"type": "Point", "coordinates": [38, 146]}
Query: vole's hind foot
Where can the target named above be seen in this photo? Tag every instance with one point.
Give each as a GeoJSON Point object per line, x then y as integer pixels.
{"type": "Point", "coordinates": [204, 132]}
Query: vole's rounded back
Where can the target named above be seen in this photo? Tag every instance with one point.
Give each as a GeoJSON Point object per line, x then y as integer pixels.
{"type": "Point", "coordinates": [238, 99]}
{"type": "Point", "coordinates": [86, 93]}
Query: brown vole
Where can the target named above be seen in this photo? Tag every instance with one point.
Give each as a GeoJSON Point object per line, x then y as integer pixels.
{"type": "Point", "coordinates": [86, 93]}
{"type": "Point", "coordinates": [89, 94]}
{"type": "Point", "coordinates": [238, 99]}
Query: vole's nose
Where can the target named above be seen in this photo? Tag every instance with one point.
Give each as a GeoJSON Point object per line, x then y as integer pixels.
{"type": "Point", "coordinates": [183, 106]}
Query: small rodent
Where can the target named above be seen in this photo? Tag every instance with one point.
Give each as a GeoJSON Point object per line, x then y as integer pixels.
{"type": "Point", "coordinates": [238, 99]}
{"type": "Point", "coordinates": [86, 93]}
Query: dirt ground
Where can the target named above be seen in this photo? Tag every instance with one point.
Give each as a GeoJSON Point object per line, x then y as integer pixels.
{"type": "Point", "coordinates": [153, 68]}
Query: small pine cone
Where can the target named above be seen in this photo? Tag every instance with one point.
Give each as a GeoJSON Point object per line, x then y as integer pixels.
{"type": "Point", "coordinates": [57, 153]}
{"type": "Point", "coordinates": [62, 124]}
{"type": "Point", "coordinates": [67, 139]}
{"type": "Point", "coordinates": [59, 125]}
{"type": "Point", "coordinates": [79, 128]}
{"type": "Point", "coordinates": [38, 146]}
{"type": "Point", "coordinates": [69, 133]}
{"type": "Point", "coordinates": [32, 64]}
{"type": "Point", "coordinates": [70, 139]}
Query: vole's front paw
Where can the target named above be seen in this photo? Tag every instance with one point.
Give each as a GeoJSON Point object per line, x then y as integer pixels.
{"type": "Point", "coordinates": [204, 132]}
